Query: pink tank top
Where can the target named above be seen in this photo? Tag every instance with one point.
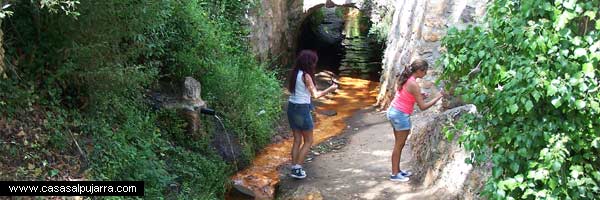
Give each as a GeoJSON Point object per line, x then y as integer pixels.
{"type": "Point", "coordinates": [403, 100]}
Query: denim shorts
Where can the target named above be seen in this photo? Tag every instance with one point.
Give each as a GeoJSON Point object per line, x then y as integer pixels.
{"type": "Point", "coordinates": [299, 116]}
{"type": "Point", "coordinates": [400, 120]}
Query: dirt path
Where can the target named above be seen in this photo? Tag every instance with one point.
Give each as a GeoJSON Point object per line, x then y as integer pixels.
{"type": "Point", "coordinates": [360, 169]}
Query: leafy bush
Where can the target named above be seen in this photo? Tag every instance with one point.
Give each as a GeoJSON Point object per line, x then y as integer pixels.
{"type": "Point", "coordinates": [532, 70]}
{"type": "Point", "coordinates": [101, 64]}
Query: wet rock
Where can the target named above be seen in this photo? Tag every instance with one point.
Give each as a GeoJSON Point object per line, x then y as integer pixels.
{"type": "Point", "coordinates": [256, 186]}
{"type": "Point", "coordinates": [276, 139]}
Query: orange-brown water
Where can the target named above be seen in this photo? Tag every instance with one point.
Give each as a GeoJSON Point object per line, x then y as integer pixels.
{"type": "Point", "coordinates": [262, 175]}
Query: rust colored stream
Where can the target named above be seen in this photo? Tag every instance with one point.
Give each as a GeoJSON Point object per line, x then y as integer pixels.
{"type": "Point", "coordinates": [262, 175]}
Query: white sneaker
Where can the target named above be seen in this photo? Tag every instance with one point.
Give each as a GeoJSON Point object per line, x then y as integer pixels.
{"type": "Point", "coordinates": [405, 173]}
{"type": "Point", "coordinates": [298, 173]}
{"type": "Point", "coordinates": [399, 178]}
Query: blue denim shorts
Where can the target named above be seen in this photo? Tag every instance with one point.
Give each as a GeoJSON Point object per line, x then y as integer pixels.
{"type": "Point", "coordinates": [400, 120]}
{"type": "Point", "coordinates": [299, 116]}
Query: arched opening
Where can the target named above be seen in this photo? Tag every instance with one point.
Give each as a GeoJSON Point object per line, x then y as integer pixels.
{"type": "Point", "coordinates": [340, 36]}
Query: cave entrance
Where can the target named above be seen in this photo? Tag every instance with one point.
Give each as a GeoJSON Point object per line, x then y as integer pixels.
{"type": "Point", "coordinates": [340, 36]}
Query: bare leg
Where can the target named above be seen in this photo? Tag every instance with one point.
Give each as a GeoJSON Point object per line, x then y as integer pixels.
{"type": "Point", "coordinates": [397, 152]}
{"type": "Point", "coordinates": [308, 140]}
{"type": "Point", "coordinates": [296, 146]}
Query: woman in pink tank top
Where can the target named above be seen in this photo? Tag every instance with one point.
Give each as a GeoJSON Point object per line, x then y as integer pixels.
{"type": "Point", "coordinates": [407, 94]}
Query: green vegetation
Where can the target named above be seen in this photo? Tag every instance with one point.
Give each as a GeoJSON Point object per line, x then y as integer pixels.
{"type": "Point", "coordinates": [88, 73]}
{"type": "Point", "coordinates": [536, 88]}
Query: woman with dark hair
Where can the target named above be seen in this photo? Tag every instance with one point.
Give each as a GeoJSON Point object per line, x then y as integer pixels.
{"type": "Point", "coordinates": [407, 94]}
{"type": "Point", "coordinates": [302, 87]}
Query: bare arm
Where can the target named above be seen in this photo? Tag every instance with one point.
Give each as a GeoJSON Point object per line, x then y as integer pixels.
{"type": "Point", "coordinates": [415, 90]}
{"type": "Point", "coordinates": [313, 90]}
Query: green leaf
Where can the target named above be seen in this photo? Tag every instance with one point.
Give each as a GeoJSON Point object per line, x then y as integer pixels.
{"type": "Point", "coordinates": [563, 19]}
{"type": "Point", "coordinates": [595, 105]}
{"type": "Point", "coordinates": [528, 105]}
{"type": "Point", "coordinates": [552, 90]}
{"type": "Point", "coordinates": [583, 87]}
{"type": "Point", "coordinates": [513, 108]}
{"type": "Point", "coordinates": [510, 183]}
{"type": "Point", "coordinates": [556, 166]}
{"type": "Point", "coordinates": [576, 41]}
{"type": "Point", "coordinates": [590, 14]}
{"type": "Point", "coordinates": [514, 166]}
{"type": "Point", "coordinates": [569, 4]}
{"type": "Point", "coordinates": [536, 95]}
{"type": "Point", "coordinates": [556, 102]}
{"type": "Point", "coordinates": [580, 52]}
{"type": "Point", "coordinates": [580, 104]}
{"type": "Point", "coordinates": [481, 54]}
{"type": "Point", "coordinates": [596, 143]}
{"type": "Point", "coordinates": [576, 170]}
{"type": "Point", "coordinates": [588, 70]}
{"type": "Point", "coordinates": [53, 172]}
{"type": "Point", "coordinates": [497, 172]}
{"type": "Point", "coordinates": [449, 135]}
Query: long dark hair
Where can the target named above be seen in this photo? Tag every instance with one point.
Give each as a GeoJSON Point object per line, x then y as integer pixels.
{"type": "Point", "coordinates": [418, 64]}
{"type": "Point", "coordinates": [306, 61]}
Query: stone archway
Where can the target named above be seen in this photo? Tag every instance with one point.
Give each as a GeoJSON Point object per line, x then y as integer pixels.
{"type": "Point", "coordinates": [275, 26]}
{"type": "Point", "coordinates": [309, 4]}
{"type": "Point", "coordinates": [297, 17]}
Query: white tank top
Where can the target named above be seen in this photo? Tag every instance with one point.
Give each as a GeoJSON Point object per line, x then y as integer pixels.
{"type": "Point", "coordinates": [301, 94]}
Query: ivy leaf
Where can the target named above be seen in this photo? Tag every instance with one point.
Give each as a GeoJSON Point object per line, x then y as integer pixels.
{"type": "Point", "coordinates": [556, 166]}
{"type": "Point", "coordinates": [529, 105]}
{"type": "Point", "coordinates": [595, 106]}
{"type": "Point", "coordinates": [590, 14]}
{"type": "Point", "coordinates": [536, 95]}
{"type": "Point", "coordinates": [552, 90]}
{"type": "Point", "coordinates": [576, 170]}
{"type": "Point", "coordinates": [563, 19]}
{"type": "Point", "coordinates": [580, 104]}
{"type": "Point", "coordinates": [583, 87]}
{"type": "Point", "coordinates": [588, 70]}
{"type": "Point", "coordinates": [513, 108]}
{"type": "Point", "coordinates": [596, 143]}
{"type": "Point", "coordinates": [481, 54]}
{"type": "Point", "coordinates": [579, 52]}
{"type": "Point", "coordinates": [514, 166]}
{"type": "Point", "coordinates": [510, 183]}
{"type": "Point", "coordinates": [569, 4]}
{"type": "Point", "coordinates": [598, 25]}
{"type": "Point", "coordinates": [556, 102]}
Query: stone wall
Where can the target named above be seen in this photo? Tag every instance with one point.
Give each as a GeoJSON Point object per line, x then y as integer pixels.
{"type": "Point", "coordinates": [416, 30]}
{"type": "Point", "coordinates": [269, 31]}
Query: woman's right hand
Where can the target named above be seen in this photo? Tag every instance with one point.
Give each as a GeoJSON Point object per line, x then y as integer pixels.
{"type": "Point", "coordinates": [333, 86]}
{"type": "Point", "coordinates": [442, 93]}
